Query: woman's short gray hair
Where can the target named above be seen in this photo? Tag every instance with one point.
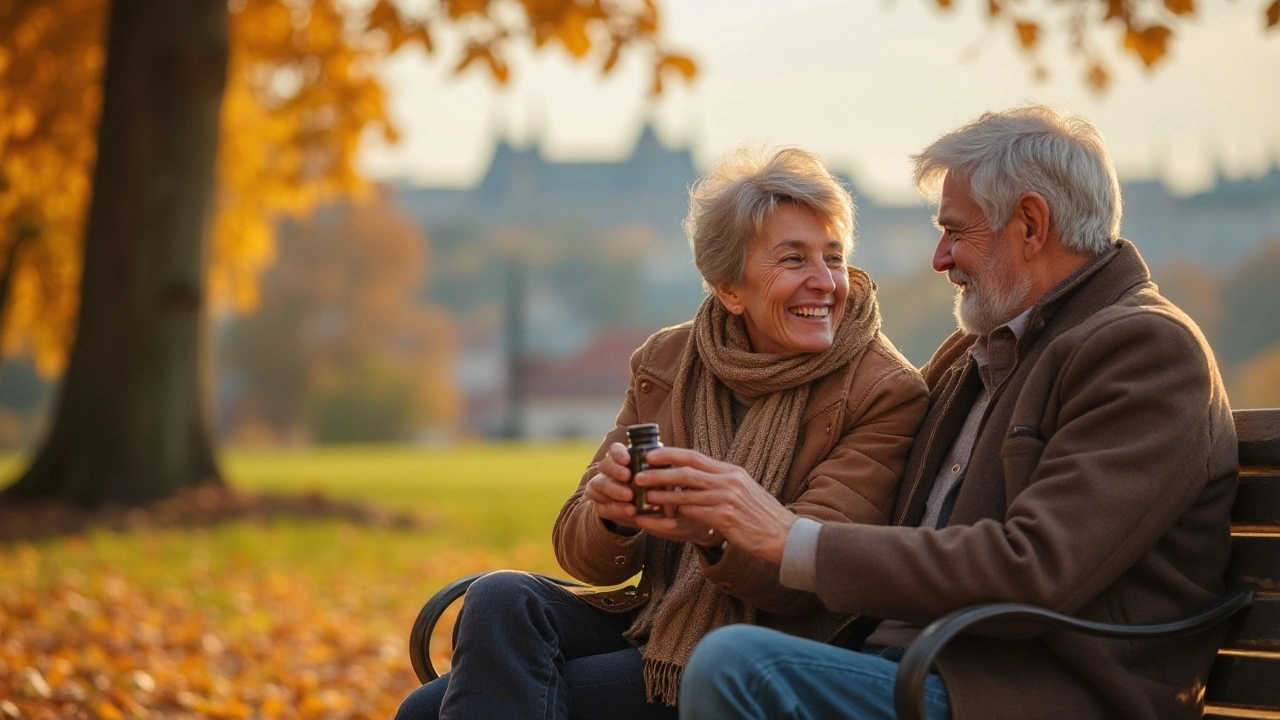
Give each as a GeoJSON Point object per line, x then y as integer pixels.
{"type": "Point", "coordinates": [728, 205]}
{"type": "Point", "coordinates": [1033, 148]}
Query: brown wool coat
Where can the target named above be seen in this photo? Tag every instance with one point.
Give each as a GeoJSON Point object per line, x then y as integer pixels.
{"type": "Point", "coordinates": [855, 433]}
{"type": "Point", "coordinates": [1100, 485]}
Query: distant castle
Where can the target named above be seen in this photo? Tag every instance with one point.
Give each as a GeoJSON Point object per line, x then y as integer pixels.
{"type": "Point", "coordinates": [521, 187]}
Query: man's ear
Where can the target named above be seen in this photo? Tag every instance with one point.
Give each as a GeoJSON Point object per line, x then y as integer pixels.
{"type": "Point", "coordinates": [731, 297]}
{"type": "Point", "coordinates": [1032, 212]}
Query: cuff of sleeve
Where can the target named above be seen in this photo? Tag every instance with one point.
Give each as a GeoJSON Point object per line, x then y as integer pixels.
{"type": "Point", "coordinates": [799, 569]}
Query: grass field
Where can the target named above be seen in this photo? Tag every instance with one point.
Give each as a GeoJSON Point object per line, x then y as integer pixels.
{"type": "Point", "coordinates": [304, 619]}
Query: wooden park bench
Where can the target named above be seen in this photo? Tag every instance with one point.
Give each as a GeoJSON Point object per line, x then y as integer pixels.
{"type": "Point", "coordinates": [1245, 680]}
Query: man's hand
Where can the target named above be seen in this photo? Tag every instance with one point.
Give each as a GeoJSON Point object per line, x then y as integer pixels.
{"type": "Point", "coordinates": [715, 495]}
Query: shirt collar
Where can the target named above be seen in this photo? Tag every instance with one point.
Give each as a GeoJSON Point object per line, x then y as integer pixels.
{"type": "Point", "coordinates": [996, 353]}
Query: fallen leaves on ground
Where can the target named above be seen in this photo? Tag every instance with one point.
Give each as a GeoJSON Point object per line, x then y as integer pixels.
{"type": "Point", "coordinates": [85, 634]}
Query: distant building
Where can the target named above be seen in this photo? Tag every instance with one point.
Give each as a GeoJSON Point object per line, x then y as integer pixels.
{"type": "Point", "coordinates": [522, 187]}
{"type": "Point", "coordinates": [580, 396]}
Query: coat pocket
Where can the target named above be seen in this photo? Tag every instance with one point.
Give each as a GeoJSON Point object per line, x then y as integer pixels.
{"type": "Point", "coordinates": [1020, 455]}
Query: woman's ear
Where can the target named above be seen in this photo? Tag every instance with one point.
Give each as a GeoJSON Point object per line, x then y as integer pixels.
{"type": "Point", "coordinates": [731, 297]}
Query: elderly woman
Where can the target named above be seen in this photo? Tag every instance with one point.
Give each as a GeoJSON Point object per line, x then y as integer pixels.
{"type": "Point", "coordinates": [782, 384]}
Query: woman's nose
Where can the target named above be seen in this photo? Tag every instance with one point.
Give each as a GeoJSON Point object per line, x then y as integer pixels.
{"type": "Point", "coordinates": [823, 278]}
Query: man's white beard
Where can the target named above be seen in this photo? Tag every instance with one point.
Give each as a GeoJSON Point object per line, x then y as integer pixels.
{"type": "Point", "coordinates": [985, 305]}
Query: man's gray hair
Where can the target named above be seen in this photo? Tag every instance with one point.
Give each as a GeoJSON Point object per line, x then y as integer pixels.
{"type": "Point", "coordinates": [1033, 148]}
{"type": "Point", "coordinates": [728, 205]}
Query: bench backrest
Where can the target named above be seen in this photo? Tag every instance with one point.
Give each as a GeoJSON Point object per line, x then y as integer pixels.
{"type": "Point", "coordinates": [1246, 675]}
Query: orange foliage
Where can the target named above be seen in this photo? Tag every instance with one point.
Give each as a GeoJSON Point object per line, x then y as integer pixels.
{"type": "Point", "coordinates": [244, 642]}
{"type": "Point", "coordinates": [51, 61]}
{"type": "Point", "coordinates": [1147, 28]}
{"type": "Point", "coordinates": [302, 91]}
{"type": "Point", "coordinates": [344, 300]}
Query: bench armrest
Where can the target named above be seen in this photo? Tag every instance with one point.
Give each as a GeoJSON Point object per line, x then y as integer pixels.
{"type": "Point", "coordinates": [908, 692]}
{"type": "Point", "coordinates": [420, 635]}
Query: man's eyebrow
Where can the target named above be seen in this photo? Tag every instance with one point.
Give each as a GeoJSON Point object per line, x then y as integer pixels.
{"type": "Point", "coordinates": [943, 222]}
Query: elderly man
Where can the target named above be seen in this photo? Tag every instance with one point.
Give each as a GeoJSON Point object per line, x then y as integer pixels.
{"type": "Point", "coordinates": [1078, 453]}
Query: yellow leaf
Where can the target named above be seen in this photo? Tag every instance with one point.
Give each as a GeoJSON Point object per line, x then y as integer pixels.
{"type": "Point", "coordinates": [272, 707]}
{"type": "Point", "coordinates": [679, 63]}
{"type": "Point", "coordinates": [1097, 78]}
{"type": "Point", "coordinates": [1181, 7]}
{"type": "Point", "coordinates": [647, 19]}
{"type": "Point", "coordinates": [475, 51]}
{"type": "Point", "coordinates": [542, 32]}
{"type": "Point", "coordinates": [462, 8]}
{"type": "Point", "coordinates": [106, 711]}
{"type": "Point", "coordinates": [615, 51]}
{"type": "Point", "coordinates": [573, 33]}
{"type": "Point", "coordinates": [499, 69]}
{"type": "Point", "coordinates": [1028, 33]}
{"type": "Point", "coordinates": [1149, 44]}
{"type": "Point", "coordinates": [384, 16]}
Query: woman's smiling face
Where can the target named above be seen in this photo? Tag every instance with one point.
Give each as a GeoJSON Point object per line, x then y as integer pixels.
{"type": "Point", "coordinates": [794, 284]}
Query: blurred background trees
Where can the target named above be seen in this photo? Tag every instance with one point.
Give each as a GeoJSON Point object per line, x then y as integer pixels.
{"type": "Point", "coordinates": [173, 164]}
{"type": "Point", "coordinates": [341, 349]}
{"type": "Point", "coordinates": [1144, 30]}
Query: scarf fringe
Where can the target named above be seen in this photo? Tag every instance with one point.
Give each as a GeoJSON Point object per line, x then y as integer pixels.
{"type": "Point", "coordinates": [662, 681]}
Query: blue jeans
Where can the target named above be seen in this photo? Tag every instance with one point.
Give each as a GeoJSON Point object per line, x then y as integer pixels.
{"type": "Point", "coordinates": [527, 648]}
{"type": "Point", "coordinates": [742, 671]}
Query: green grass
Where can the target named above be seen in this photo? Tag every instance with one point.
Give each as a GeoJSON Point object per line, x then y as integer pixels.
{"type": "Point", "coordinates": [490, 495]}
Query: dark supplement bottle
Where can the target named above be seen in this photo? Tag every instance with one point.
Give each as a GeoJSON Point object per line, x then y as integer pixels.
{"type": "Point", "coordinates": [640, 440]}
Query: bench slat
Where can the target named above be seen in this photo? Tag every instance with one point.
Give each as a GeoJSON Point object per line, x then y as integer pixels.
{"type": "Point", "coordinates": [1257, 628]}
{"type": "Point", "coordinates": [1258, 432]}
{"type": "Point", "coordinates": [1228, 713]}
{"type": "Point", "coordinates": [1244, 680]}
{"type": "Point", "coordinates": [1255, 560]}
{"type": "Point", "coordinates": [1257, 501]}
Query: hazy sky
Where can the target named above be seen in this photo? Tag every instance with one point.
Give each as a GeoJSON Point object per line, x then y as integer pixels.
{"type": "Point", "coordinates": [865, 82]}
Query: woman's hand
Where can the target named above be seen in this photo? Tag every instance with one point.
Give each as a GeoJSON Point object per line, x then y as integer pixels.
{"type": "Point", "coordinates": [609, 491]}
{"type": "Point", "coordinates": [699, 491]}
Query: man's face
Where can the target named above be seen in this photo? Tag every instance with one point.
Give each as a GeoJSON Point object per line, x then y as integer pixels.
{"type": "Point", "coordinates": [992, 286]}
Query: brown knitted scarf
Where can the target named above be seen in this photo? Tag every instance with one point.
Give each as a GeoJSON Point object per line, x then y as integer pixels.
{"type": "Point", "coordinates": [717, 362]}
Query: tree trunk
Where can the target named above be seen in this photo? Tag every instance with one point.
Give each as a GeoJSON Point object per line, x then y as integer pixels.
{"type": "Point", "coordinates": [131, 421]}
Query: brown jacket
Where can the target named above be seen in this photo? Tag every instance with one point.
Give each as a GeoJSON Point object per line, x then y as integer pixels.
{"type": "Point", "coordinates": [855, 433]}
{"type": "Point", "coordinates": [1100, 485]}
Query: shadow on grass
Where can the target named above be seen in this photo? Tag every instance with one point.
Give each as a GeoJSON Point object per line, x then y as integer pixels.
{"type": "Point", "coordinates": [22, 521]}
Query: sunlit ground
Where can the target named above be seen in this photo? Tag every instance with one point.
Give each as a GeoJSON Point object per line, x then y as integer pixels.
{"type": "Point", "coordinates": [291, 619]}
